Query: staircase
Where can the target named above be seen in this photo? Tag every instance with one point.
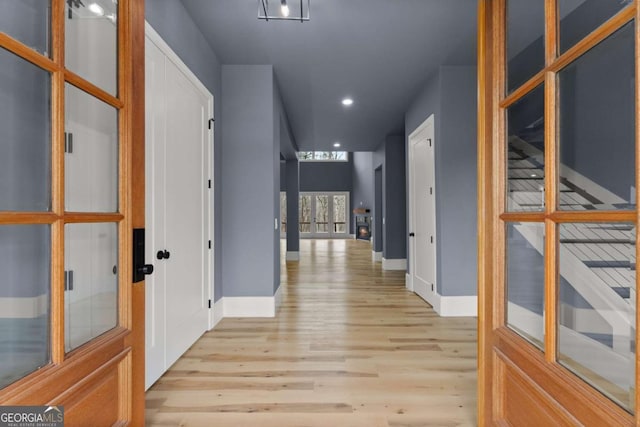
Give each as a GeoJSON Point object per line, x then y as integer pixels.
{"type": "Point", "coordinates": [597, 260]}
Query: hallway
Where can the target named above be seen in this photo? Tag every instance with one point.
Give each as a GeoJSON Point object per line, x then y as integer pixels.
{"type": "Point", "coordinates": [349, 347]}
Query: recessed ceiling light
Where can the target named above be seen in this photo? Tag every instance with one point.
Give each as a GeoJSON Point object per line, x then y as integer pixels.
{"type": "Point", "coordinates": [347, 102]}
{"type": "Point", "coordinates": [336, 144]}
{"type": "Point", "coordinates": [96, 8]}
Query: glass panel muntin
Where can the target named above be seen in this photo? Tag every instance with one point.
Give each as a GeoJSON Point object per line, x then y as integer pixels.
{"type": "Point", "coordinates": [607, 214]}
{"type": "Point", "coordinates": [49, 214]}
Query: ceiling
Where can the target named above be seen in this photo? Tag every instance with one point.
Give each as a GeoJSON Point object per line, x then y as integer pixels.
{"type": "Point", "coordinates": [379, 52]}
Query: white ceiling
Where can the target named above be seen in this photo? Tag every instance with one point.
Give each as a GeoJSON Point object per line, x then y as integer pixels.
{"type": "Point", "coordinates": [380, 52]}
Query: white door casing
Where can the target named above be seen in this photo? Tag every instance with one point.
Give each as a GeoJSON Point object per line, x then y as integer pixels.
{"type": "Point", "coordinates": [178, 207]}
{"type": "Point", "coordinates": [422, 210]}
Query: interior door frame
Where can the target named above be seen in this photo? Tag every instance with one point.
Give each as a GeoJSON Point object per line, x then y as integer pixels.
{"type": "Point", "coordinates": [431, 295]}
{"type": "Point", "coordinates": [330, 234]}
{"type": "Point", "coordinates": [508, 367]}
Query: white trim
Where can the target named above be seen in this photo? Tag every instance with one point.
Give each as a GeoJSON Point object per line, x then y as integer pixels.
{"type": "Point", "coordinates": [24, 308]}
{"type": "Point", "coordinates": [218, 312]}
{"type": "Point", "coordinates": [394, 264]}
{"type": "Point", "coordinates": [249, 306]}
{"type": "Point", "coordinates": [166, 49]}
{"type": "Point", "coordinates": [458, 306]}
{"type": "Point", "coordinates": [353, 236]}
{"type": "Point", "coordinates": [293, 256]}
{"type": "Point", "coordinates": [376, 256]}
{"type": "Point", "coordinates": [408, 282]}
{"type": "Point", "coordinates": [277, 299]}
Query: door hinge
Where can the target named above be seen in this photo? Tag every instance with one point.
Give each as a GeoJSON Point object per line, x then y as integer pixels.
{"type": "Point", "coordinates": [209, 244]}
{"type": "Point", "coordinates": [209, 183]}
{"type": "Point", "coordinates": [68, 142]}
{"type": "Point", "coordinates": [431, 239]}
{"type": "Point", "coordinates": [429, 142]}
{"type": "Point", "coordinates": [430, 190]}
{"type": "Point", "coordinates": [432, 287]}
{"type": "Point", "coordinates": [209, 303]}
{"type": "Point", "coordinates": [211, 122]}
{"type": "Point", "coordinates": [68, 280]}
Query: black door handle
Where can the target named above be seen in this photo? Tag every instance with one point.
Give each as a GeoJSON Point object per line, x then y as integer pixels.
{"type": "Point", "coordinates": [145, 269]}
{"type": "Point", "coordinates": [165, 254]}
{"type": "Point", "coordinates": [412, 234]}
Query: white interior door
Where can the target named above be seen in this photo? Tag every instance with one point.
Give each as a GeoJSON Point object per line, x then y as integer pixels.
{"type": "Point", "coordinates": [178, 169]}
{"type": "Point", "coordinates": [186, 203]}
{"type": "Point", "coordinates": [422, 208]}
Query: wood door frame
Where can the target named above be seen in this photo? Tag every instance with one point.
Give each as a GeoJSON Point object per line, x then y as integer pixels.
{"type": "Point", "coordinates": [429, 121]}
{"type": "Point", "coordinates": [116, 358]}
{"type": "Point", "coordinates": [502, 354]}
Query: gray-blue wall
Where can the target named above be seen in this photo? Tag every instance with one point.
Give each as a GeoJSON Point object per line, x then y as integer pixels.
{"type": "Point", "coordinates": [293, 193]}
{"type": "Point", "coordinates": [394, 228]}
{"type": "Point", "coordinates": [378, 243]}
{"type": "Point", "coordinates": [170, 19]}
{"type": "Point", "coordinates": [251, 175]}
{"type": "Point", "coordinates": [363, 193]}
{"type": "Point", "coordinates": [450, 94]}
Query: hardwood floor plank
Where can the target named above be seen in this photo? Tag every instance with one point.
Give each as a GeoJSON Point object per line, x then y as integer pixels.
{"type": "Point", "coordinates": [350, 346]}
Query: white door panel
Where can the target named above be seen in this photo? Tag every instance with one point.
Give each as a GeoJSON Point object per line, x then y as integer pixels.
{"type": "Point", "coordinates": [422, 209]}
{"type": "Point", "coordinates": [177, 216]}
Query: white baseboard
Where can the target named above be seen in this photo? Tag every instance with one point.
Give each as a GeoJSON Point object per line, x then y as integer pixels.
{"type": "Point", "coordinates": [293, 256]}
{"type": "Point", "coordinates": [376, 256]}
{"type": "Point", "coordinates": [461, 306]}
{"type": "Point", "coordinates": [408, 282]}
{"type": "Point", "coordinates": [24, 308]}
{"type": "Point", "coordinates": [277, 299]}
{"type": "Point", "coordinates": [394, 264]}
{"type": "Point", "coordinates": [249, 306]}
{"type": "Point", "coordinates": [218, 312]}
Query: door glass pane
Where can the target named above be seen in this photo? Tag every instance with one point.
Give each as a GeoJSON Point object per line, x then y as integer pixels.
{"type": "Point", "coordinates": [25, 260]}
{"type": "Point", "coordinates": [28, 22]}
{"type": "Point", "coordinates": [322, 214]}
{"type": "Point", "coordinates": [525, 149]}
{"type": "Point", "coordinates": [597, 132]}
{"type": "Point", "coordinates": [25, 135]}
{"type": "Point", "coordinates": [91, 159]}
{"type": "Point", "coordinates": [525, 41]}
{"type": "Point", "coordinates": [91, 35]}
{"type": "Point", "coordinates": [91, 285]}
{"type": "Point", "coordinates": [340, 214]}
{"type": "Point", "coordinates": [596, 331]}
{"type": "Point", "coordinates": [305, 214]}
{"type": "Point", "coordinates": [525, 280]}
{"type": "Point", "coordinates": [578, 18]}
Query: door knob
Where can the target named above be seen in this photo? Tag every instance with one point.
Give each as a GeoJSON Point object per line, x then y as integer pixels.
{"type": "Point", "coordinates": [164, 254]}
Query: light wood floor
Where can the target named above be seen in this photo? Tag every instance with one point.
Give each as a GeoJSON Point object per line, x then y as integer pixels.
{"type": "Point", "coordinates": [349, 347]}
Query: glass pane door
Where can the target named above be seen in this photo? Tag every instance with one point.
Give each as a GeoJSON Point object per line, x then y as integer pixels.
{"type": "Point", "coordinates": [321, 217]}
{"type": "Point", "coordinates": [340, 214]}
{"type": "Point", "coordinates": [305, 214]}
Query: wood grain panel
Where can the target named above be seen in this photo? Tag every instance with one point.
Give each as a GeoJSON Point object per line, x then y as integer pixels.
{"type": "Point", "coordinates": [97, 402]}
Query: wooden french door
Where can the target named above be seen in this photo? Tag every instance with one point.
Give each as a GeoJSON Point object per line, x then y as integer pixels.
{"type": "Point", "coordinates": [558, 184]}
{"type": "Point", "coordinates": [72, 161]}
